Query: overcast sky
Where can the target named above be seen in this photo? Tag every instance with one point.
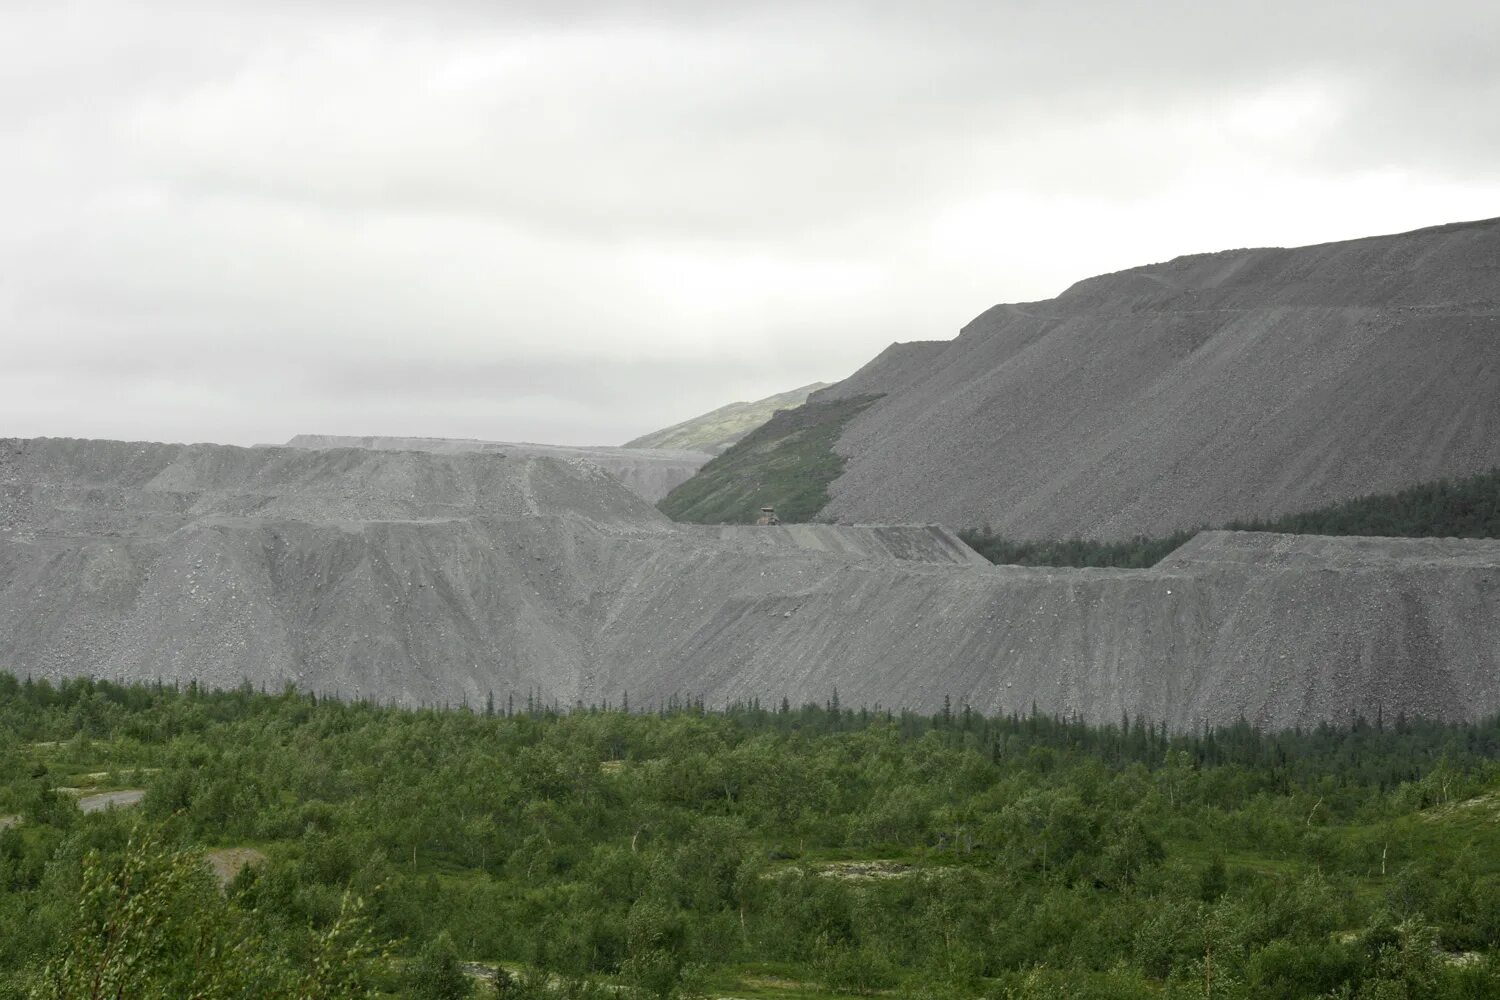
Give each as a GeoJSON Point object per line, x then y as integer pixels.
{"type": "Point", "coordinates": [576, 221]}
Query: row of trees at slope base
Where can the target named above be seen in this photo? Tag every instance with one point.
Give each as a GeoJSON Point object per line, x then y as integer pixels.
{"type": "Point", "coordinates": [604, 853]}
{"type": "Point", "coordinates": [1461, 508]}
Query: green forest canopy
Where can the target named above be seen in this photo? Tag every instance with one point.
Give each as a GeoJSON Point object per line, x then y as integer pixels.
{"type": "Point", "coordinates": [786, 463]}
{"type": "Point", "coordinates": [752, 852]}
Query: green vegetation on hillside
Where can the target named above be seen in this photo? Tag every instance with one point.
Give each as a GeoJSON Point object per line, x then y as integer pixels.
{"type": "Point", "coordinates": [715, 431]}
{"type": "Point", "coordinates": [1135, 553]}
{"type": "Point", "coordinates": [787, 463]}
{"type": "Point", "coordinates": [1460, 508]}
{"type": "Point", "coordinates": [803, 853]}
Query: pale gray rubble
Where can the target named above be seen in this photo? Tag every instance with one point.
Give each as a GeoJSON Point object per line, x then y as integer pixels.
{"type": "Point", "coordinates": [104, 801]}
{"type": "Point", "coordinates": [650, 472]}
{"type": "Point", "coordinates": [416, 577]}
{"type": "Point", "coordinates": [1208, 388]}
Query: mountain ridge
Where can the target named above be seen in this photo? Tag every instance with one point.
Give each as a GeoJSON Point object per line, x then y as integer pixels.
{"type": "Point", "coordinates": [718, 429]}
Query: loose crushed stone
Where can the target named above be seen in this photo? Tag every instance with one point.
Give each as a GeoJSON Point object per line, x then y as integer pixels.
{"type": "Point", "coordinates": [1247, 383]}
{"type": "Point", "coordinates": [650, 472]}
{"type": "Point", "coordinates": [424, 578]}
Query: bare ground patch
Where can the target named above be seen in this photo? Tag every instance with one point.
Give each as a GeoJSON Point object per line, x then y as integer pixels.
{"type": "Point", "coordinates": [227, 862]}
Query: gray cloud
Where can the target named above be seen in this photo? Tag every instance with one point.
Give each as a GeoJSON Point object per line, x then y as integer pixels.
{"type": "Point", "coordinates": [584, 220]}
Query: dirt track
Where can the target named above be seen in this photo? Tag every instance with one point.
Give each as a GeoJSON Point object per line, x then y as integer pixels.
{"type": "Point", "coordinates": [430, 578]}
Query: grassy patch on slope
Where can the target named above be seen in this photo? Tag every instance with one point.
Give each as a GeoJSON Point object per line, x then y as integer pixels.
{"type": "Point", "coordinates": [787, 463]}
{"type": "Point", "coordinates": [1457, 508]}
{"type": "Point", "coordinates": [1137, 553]}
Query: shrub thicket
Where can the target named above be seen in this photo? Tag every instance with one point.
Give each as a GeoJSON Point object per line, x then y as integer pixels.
{"type": "Point", "coordinates": [687, 852]}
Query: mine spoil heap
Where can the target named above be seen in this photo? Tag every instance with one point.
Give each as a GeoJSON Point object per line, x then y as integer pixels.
{"type": "Point", "coordinates": [1247, 383]}
{"type": "Point", "coordinates": [648, 472]}
{"type": "Point", "coordinates": [421, 577]}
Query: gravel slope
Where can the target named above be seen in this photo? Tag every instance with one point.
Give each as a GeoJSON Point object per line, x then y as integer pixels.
{"type": "Point", "coordinates": [1211, 387]}
{"type": "Point", "coordinates": [650, 472]}
{"type": "Point", "coordinates": [428, 578]}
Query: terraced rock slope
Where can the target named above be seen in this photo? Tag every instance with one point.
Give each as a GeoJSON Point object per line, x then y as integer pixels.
{"type": "Point", "coordinates": [426, 577]}
{"type": "Point", "coordinates": [1247, 383]}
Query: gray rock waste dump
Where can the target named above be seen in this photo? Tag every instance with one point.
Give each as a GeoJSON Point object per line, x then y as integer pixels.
{"type": "Point", "coordinates": [1248, 383]}
{"type": "Point", "coordinates": [418, 577]}
{"type": "Point", "coordinates": [649, 472]}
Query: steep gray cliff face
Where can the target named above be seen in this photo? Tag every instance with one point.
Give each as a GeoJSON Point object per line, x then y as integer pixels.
{"type": "Point", "coordinates": [429, 578]}
{"type": "Point", "coordinates": [1212, 387]}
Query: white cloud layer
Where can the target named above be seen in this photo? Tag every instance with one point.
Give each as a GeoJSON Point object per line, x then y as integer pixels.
{"type": "Point", "coordinates": [577, 222]}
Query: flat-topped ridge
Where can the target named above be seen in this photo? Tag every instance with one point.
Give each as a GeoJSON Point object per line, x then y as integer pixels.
{"type": "Point", "coordinates": [64, 479]}
{"type": "Point", "coordinates": [649, 472]}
